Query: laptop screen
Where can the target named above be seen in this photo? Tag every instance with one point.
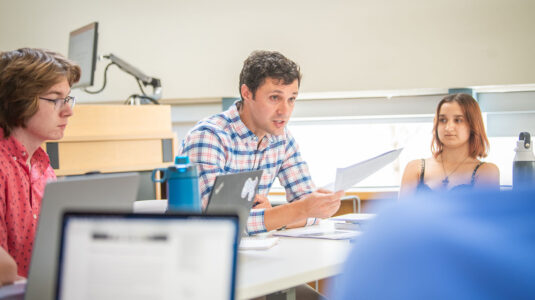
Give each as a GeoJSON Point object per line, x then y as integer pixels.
{"type": "Point", "coordinates": [235, 193]}
{"type": "Point", "coordinates": [102, 192]}
{"type": "Point", "coordinates": [144, 256]}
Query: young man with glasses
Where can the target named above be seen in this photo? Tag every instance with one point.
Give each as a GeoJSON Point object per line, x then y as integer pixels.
{"type": "Point", "coordinates": [34, 107]}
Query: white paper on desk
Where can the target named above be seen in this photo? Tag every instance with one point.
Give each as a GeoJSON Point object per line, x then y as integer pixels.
{"type": "Point", "coordinates": [258, 243]}
{"type": "Point", "coordinates": [318, 232]}
{"type": "Point", "coordinates": [353, 218]}
{"type": "Point", "coordinates": [349, 176]}
{"type": "Point", "coordinates": [14, 289]}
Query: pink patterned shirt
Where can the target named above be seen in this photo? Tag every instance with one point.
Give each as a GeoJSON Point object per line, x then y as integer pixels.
{"type": "Point", "coordinates": [21, 191]}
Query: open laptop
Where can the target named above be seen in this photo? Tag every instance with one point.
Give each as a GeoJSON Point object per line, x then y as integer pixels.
{"type": "Point", "coordinates": [234, 193]}
{"type": "Point", "coordinates": [147, 256]}
{"type": "Point", "coordinates": [95, 192]}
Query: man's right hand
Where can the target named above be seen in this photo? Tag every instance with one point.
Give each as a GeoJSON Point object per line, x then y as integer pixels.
{"type": "Point", "coordinates": [322, 203]}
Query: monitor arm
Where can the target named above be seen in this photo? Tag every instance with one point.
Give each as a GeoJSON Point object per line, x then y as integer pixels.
{"type": "Point", "coordinates": [146, 80]}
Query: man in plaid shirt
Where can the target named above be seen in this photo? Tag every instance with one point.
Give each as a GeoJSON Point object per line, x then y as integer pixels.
{"type": "Point", "coordinates": [252, 135]}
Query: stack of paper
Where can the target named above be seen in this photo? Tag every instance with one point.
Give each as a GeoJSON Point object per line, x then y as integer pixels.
{"type": "Point", "coordinates": [351, 221]}
{"type": "Point", "coordinates": [323, 231]}
{"type": "Point", "coordinates": [11, 291]}
{"type": "Point", "coordinates": [258, 243]}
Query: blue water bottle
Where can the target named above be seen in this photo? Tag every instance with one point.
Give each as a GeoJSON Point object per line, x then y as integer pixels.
{"type": "Point", "coordinates": [182, 185]}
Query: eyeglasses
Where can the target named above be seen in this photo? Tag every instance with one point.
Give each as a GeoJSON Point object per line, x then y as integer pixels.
{"type": "Point", "coordinates": [59, 103]}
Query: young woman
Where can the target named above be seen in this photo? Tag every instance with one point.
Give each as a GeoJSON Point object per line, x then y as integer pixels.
{"type": "Point", "coordinates": [34, 107]}
{"type": "Point", "coordinates": [459, 142]}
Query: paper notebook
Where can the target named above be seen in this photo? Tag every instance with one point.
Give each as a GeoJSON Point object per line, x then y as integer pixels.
{"type": "Point", "coordinates": [354, 218]}
{"type": "Point", "coordinates": [347, 226]}
{"type": "Point", "coordinates": [258, 243]}
{"type": "Point", "coordinates": [13, 291]}
{"type": "Point", "coordinates": [325, 230]}
{"type": "Point", "coordinates": [351, 221]}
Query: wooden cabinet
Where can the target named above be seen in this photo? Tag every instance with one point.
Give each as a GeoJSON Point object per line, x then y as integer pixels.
{"type": "Point", "coordinates": [114, 138]}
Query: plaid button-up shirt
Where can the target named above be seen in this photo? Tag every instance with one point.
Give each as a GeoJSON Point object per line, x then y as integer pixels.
{"type": "Point", "coordinates": [222, 144]}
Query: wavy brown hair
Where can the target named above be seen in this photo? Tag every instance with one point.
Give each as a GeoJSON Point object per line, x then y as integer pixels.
{"type": "Point", "coordinates": [25, 74]}
{"type": "Point", "coordinates": [478, 142]}
{"type": "Point", "coordinates": [263, 64]}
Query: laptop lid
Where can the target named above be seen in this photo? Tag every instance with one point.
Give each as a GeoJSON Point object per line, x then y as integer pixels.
{"type": "Point", "coordinates": [95, 192]}
{"type": "Point", "coordinates": [234, 193]}
{"type": "Point", "coordinates": [147, 256]}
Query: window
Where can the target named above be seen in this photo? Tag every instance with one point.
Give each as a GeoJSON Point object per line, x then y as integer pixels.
{"type": "Point", "coordinates": [502, 154]}
{"type": "Point", "coordinates": [338, 132]}
{"type": "Point", "coordinates": [329, 144]}
{"type": "Point", "coordinates": [335, 133]}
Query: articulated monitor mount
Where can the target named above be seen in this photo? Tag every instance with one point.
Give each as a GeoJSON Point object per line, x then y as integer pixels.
{"type": "Point", "coordinates": [140, 77]}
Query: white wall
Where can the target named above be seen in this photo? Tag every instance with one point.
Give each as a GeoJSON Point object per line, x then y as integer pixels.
{"type": "Point", "coordinates": [197, 46]}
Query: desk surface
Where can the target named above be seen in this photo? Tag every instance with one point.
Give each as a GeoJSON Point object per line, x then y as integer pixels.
{"type": "Point", "coordinates": [292, 262]}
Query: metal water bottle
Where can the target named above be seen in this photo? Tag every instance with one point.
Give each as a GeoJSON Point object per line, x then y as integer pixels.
{"type": "Point", "coordinates": [182, 185]}
{"type": "Point", "coordinates": [524, 163]}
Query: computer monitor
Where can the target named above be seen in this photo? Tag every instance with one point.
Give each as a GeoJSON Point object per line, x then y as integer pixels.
{"type": "Point", "coordinates": [83, 50]}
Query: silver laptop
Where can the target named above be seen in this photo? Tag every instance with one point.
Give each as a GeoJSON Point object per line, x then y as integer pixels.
{"type": "Point", "coordinates": [94, 192]}
{"type": "Point", "coordinates": [234, 193]}
{"type": "Point", "coordinates": [147, 256]}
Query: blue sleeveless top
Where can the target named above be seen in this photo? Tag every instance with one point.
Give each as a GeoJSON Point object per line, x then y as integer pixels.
{"type": "Point", "coordinates": [423, 187]}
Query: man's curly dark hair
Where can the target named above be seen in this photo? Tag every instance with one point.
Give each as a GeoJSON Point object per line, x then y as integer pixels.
{"type": "Point", "coordinates": [263, 64]}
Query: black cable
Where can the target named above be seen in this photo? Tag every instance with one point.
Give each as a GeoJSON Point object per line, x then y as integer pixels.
{"type": "Point", "coordinates": [154, 101]}
{"type": "Point", "coordinates": [105, 81]}
{"type": "Point", "coordinates": [143, 96]}
{"type": "Point", "coordinates": [127, 99]}
{"type": "Point", "coordinates": [140, 87]}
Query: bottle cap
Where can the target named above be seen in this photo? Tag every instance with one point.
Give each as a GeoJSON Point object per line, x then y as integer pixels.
{"type": "Point", "coordinates": [181, 160]}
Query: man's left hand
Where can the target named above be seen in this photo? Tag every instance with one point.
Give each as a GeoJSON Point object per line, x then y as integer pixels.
{"type": "Point", "coordinates": [261, 201]}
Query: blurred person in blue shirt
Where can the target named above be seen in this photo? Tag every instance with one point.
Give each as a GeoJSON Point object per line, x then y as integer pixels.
{"type": "Point", "coordinates": [475, 245]}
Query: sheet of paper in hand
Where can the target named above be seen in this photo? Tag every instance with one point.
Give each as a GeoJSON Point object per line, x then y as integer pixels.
{"type": "Point", "coordinates": [351, 175]}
